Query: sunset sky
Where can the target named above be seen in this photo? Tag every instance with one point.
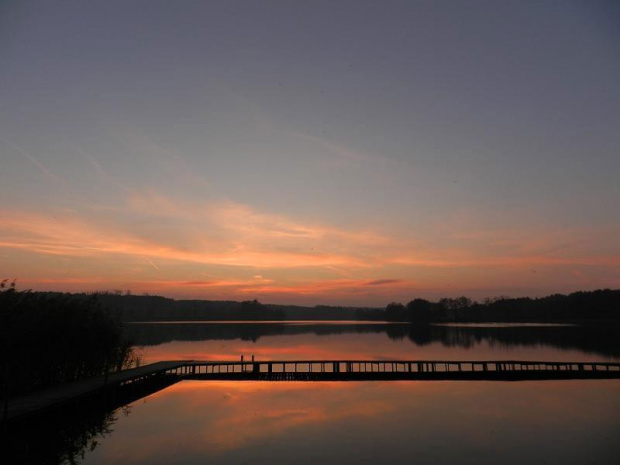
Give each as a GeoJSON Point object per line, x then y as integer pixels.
{"type": "Point", "coordinates": [310, 152]}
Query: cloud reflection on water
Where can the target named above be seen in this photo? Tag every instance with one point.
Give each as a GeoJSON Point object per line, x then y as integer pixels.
{"type": "Point", "coordinates": [443, 422]}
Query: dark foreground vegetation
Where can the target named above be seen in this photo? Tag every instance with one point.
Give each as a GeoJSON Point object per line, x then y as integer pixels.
{"type": "Point", "coordinates": [48, 339]}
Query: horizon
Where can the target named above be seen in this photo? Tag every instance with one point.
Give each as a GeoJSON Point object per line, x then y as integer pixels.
{"type": "Point", "coordinates": [342, 154]}
{"type": "Point", "coordinates": [130, 293]}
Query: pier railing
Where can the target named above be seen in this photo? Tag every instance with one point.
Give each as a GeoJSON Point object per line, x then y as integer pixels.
{"type": "Point", "coordinates": [316, 370]}
{"type": "Point", "coordinates": [150, 378]}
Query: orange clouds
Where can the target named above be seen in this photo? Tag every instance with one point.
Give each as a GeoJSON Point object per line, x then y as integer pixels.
{"type": "Point", "coordinates": [508, 262]}
{"type": "Point", "coordinates": [154, 243]}
{"type": "Point", "coordinates": [333, 286]}
{"type": "Point", "coordinates": [248, 245]}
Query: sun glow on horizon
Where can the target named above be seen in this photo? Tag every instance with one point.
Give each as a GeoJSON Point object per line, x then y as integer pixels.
{"type": "Point", "coordinates": [232, 251]}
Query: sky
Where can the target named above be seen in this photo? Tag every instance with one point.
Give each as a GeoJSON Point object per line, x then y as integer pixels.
{"type": "Point", "coordinates": [310, 152]}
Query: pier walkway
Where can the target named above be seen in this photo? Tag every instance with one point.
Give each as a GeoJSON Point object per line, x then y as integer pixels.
{"type": "Point", "coordinates": [49, 398]}
{"type": "Point", "coordinates": [166, 373]}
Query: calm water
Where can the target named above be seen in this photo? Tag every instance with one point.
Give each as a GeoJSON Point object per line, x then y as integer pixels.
{"type": "Point", "coordinates": [196, 422]}
{"type": "Point", "coordinates": [352, 340]}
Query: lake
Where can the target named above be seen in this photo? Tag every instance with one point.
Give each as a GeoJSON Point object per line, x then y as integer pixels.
{"type": "Point", "coordinates": [439, 422]}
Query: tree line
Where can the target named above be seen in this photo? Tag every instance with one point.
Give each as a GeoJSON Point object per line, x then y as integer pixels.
{"type": "Point", "coordinates": [578, 306]}
{"type": "Point", "coordinates": [156, 308]}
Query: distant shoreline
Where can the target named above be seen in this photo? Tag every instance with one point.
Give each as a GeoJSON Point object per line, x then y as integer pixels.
{"type": "Point", "coordinates": [577, 308]}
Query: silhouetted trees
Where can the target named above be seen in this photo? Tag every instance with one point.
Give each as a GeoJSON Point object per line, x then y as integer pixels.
{"type": "Point", "coordinates": [420, 310]}
{"type": "Point", "coordinates": [395, 311]}
{"type": "Point", "coordinates": [579, 306]}
{"type": "Point", "coordinates": [48, 339]}
{"type": "Point", "coordinates": [155, 308]}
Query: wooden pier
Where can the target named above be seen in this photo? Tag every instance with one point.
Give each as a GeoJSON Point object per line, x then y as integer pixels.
{"type": "Point", "coordinates": [377, 370]}
{"type": "Point", "coordinates": [62, 394]}
{"type": "Point", "coordinates": [162, 374]}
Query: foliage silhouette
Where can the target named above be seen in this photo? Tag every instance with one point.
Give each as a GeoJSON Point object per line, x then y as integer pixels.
{"type": "Point", "coordinates": [579, 306]}
{"type": "Point", "coordinates": [48, 339]}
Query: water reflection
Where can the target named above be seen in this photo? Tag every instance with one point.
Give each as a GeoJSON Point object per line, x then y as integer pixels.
{"type": "Point", "coordinates": [369, 422]}
{"type": "Point", "coordinates": [58, 438]}
{"type": "Point", "coordinates": [375, 422]}
{"type": "Point", "coordinates": [324, 340]}
{"type": "Point", "coordinates": [66, 434]}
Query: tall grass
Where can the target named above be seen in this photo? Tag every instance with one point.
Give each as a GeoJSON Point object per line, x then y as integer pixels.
{"type": "Point", "coordinates": [48, 339]}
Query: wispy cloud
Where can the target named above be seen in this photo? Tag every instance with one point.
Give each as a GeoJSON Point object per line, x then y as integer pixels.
{"type": "Point", "coordinates": [92, 161]}
{"type": "Point", "coordinates": [508, 261]}
{"type": "Point", "coordinates": [234, 234]}
{"type": "Point", "coordinates": [275, 255]}
{"type": "Point", "coordinates": [41, 167]}
{"type": "Point", "coordinates": [338, 150]}
{"type": "Point", "coordinates": [384, 282]}
{"type": "Point", "coordinates": [150, 262]}
{"type": "Point", "coordinates": [230, 235]}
